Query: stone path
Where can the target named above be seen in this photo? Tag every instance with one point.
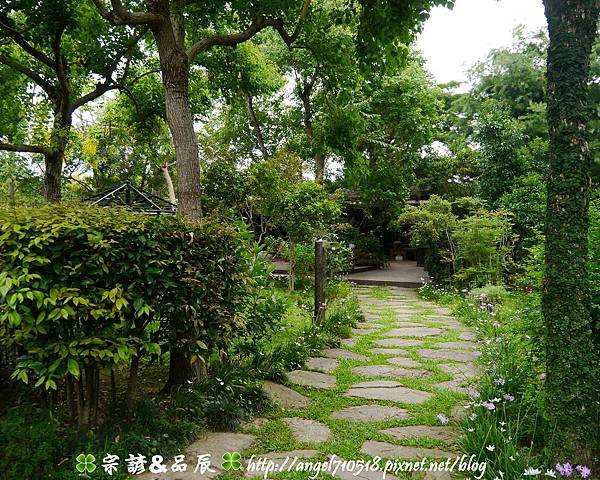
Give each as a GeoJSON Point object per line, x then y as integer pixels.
{"type": "Point", "coordinates": [378, 395]}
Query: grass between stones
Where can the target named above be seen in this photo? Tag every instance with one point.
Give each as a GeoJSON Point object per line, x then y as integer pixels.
{"type": "Point", "coordinates": [348, 436]}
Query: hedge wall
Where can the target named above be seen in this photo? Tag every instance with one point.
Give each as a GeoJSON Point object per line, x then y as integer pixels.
{"type": "Point", "coordinates": [84, 289]}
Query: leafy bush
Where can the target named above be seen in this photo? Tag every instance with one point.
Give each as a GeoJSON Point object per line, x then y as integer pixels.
{"type": "Point", "coordinates": [87, 288]}
{"type": "Point", "coordinates": [468, 252]}
{"type": "Point", "coordinates": [492, 295]}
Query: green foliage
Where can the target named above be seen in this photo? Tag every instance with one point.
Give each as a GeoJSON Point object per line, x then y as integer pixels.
{"type": "Point", "coordinates": [594, 262]}
{"type": "Point", "coordinates": [29, 443]}
{"type": "Point", "coordinates": [470, 251]}
{"type": "Point", "coordinates": [482, 248]}
{"type": "Point", "coordinates": [306, 211]}
{"type": "Point", "coordinates": [492, 295]}
{"type": "Point", "coordinates": [88, 288]}
{"type": "Point", "coordinates": [500, 137]}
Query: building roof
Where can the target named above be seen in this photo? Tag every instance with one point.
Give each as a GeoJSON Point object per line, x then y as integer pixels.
{"type": "Point", "coordinates": [126, 195]}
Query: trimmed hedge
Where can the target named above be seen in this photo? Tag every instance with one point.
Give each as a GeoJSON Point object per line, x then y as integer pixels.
{"type": "Point", "coordinates": [85, 288]}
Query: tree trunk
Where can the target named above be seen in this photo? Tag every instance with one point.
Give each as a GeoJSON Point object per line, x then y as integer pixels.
{"type": "Point", "coordinates": [11, 190]}
{"type": "Point", "coordinates": [175, 77]}
{"type": "Point", "coordinates": [132, 384]}
{"type": "Point", "coordinates": [319, 158]}
{"type": "Point", "coordinates": [169, 182]}
{"type": "Point", "coordinates": [256, 126]}
{"type": "Point", "coordinates": [180, 371]}
{"type": "Point", "coordinates": [53, 177]}
{"type": "Point", "coordinates": [572, 362]}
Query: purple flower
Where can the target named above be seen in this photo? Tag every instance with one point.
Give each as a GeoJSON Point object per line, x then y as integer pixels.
{"type": "Point", "coordinates": [565, 470]}
{"type": "Point", "coordinates": [508, 397]}
{"type": "Point", "coordinates": [584, 471]}
{"type": "Point", "coordinates": [443, 419]}
{"type": "Point", "coordinates": [476, 353]}
{"type": "Point", "coordinates": [542, 376]}
{"type": "Point", "coordinates": [489, 405]}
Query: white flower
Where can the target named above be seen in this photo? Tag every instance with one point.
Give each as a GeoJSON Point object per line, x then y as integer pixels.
{"type": "Point", "coordinates": [512, 459]}
{"type": "Point", "coordinates": [532, 472]}
{"type": "Point", "coordinates": [550, 473]}
{"type": "Point", "coordinates": [490, 448]}
{"type": "Point", "coordinates": [470, 429]}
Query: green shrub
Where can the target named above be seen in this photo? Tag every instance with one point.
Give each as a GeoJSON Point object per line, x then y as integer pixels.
{"type": "Point", "coordinates": [492, 295]}
{"type": "Point", "coordinates": [29, 442]}
{"type": "Point", "coordinates": [87, 288]}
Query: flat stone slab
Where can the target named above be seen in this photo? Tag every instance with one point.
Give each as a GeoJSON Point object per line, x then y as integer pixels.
{"type": "Point", "coordinates": [453, 385]}
{"type": "Point", "coordinates": [341, 353]}
{"type": "Point", "coordinates": [363, 331]}
{"type": "Point", "coordinates": [462, 345]}
{"type": "Point", "coordinates": [398, 342]}
{"type": "Point", "coordinates": [322, 364]}
{"type": "Point", "coordinates": [215, 444]}
{"type": "Point", "coordinates": [446, 354]}
{"type": "Point", "coordinates": [458, 413]}
{"type": "Point", "coordinates": [389, 351]}
{"type": "Point", "coordinates": [415, 332]}
{"type": "Point", "coordinates": [467, 336]}
{"type": "Point", "coordinates": [403, 324]}
{"type": "Point", "coordinates": [308, 431]}
{"type": "Point", "coordinates": [370, 413]}
{"type": "Point", "coordinates": [278, 459]}
{"type": "Point", "coordinates": [387, 390]}
{"type": "Point", "coordinates": [443, 434]}
{"type": "Point", "coordinates": [312, 379]}
{"type": "Point", "coordinates": [286, 397]}
{"type": "Point", "coordinates": [387, 450]}
{"type": "Point", "coordinates": [460, 370]}
{"type": "Point", "coordinates": [365, 474]}
{"type": "Point", "coordinates": [349, 342]}
{"type": "Point", "coordinates": [257, 422]}
{"type": "Point", "coordinates": [405, 362]}
{"type": "Point", "coordinates": [389, 371]}
{"type": "Point", "coordinates": [444, 311]}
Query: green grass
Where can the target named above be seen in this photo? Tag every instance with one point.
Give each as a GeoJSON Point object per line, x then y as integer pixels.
{"type": "Point", "coordinates": [348, 437]}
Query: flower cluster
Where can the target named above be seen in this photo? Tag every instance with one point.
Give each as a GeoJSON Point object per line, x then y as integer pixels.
{"type": "Point", "coordinates": [565, 470]}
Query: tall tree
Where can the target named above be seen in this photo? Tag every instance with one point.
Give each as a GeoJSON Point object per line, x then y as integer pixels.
{"type": "Point", "coordinates": [60, 48]}
{"type": "Point", "coordinates": [167, 21]}
{"type": "Point", "coordinates": [572, 344]}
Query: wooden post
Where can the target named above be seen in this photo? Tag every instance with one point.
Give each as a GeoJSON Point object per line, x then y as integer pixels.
{"type": "Point", "coordinates": [320, 278]}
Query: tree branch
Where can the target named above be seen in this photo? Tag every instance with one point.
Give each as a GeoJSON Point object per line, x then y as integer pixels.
{"type": "Point", "coordinates": [120, 16]}
{"type": "Point", "coordinates": [24, 44]}
{"type": "Point", "coordinates": [259, 23]}
{"type": "Point", "coordinates": [43, 84]}
{"type": "Point", "coordinates": [290, 39]}
{"type": "Point", "coordinates": [109, 83]}
{"type": "Point", "coordinates": [14, 147]}
{"type": "Point", "coordinates": [61, 71]}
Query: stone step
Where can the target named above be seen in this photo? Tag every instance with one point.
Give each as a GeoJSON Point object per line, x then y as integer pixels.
{"type": "Point", "coordinates": [309, 378]}
{"type": "Point", "coordinates": [387, 390]}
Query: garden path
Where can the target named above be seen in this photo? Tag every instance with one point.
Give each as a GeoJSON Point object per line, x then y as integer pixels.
{"type": "Point", "coordinates": [393, 390]}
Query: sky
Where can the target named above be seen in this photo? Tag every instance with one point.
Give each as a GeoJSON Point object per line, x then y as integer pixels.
{"type": "Point", "coordinates": [454, 40]}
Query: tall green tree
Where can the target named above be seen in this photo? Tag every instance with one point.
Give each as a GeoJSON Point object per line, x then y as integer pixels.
{"type": "Point", "coordinates": [572, 354]}
{"type": "Point", "coordinates": [179, 42]}
{"type": "Point", "coordinates": [68, 57]}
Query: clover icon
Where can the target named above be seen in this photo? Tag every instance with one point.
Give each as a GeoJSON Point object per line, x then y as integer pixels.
{"type": "Point", "coordinates": [85, 463]}
{"type": "Point", "coordinates": [231, 461]}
